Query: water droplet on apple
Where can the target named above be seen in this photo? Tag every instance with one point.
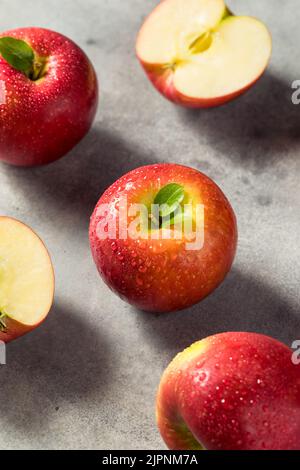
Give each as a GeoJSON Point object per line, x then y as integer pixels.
{"type": "Point", "coordinates": [114, 246]}
{"type": "Point", "coordinates": [202, 376]}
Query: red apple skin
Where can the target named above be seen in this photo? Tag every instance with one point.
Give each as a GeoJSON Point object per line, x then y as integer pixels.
{"type": "Point", "coordinates": [162, 275]}
{"type": "Point", "coordinates": [232, 391]}
{"type": "Point", "coordinates": [15, 329]}
{"type": "Point", "coordinates": [42, 120]}
{"type": "Point", "coordinates": [163, 81]}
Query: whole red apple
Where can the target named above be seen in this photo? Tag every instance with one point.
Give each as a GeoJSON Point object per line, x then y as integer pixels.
{"type": "Point", "coordinates": [26, 278]}
{"type": "Point", "coordinates": [157, 269]}
{"type": "Point", "coordinates": [50, 96]}
{"type": "Point", "coordinates": [232, 391]}
{"type": "Point", "coordinates": [198, 54]}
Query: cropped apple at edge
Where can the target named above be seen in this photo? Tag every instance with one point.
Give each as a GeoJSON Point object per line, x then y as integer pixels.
{"type": "Point", "coordinates": [26, 280]}
{"type": "Point", "coordinates": [163, 275]}
{"type": "Point", "coordinates": [51, 96]}
{"type": "Point", "coordinates": [232, 391]}
{"type": "Point", "coordinates": [198, 54]}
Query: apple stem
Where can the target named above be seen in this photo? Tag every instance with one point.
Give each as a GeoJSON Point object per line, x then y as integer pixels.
{"type": "Point", "coordinates": [227, 13]}
{"type": "Point", "coordinates": [3, 327]}
{"type": "Point", "coordinates": [38, 68]}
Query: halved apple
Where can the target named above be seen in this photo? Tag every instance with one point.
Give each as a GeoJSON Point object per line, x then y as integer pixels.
{"type": "Point", "coordinates": [26, 280]}
{"type": "Point", "coordinates": [198, 54]}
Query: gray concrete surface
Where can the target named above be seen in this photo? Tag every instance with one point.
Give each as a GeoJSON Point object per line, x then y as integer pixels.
{"type": "Point", "coordinates": [87, 378]}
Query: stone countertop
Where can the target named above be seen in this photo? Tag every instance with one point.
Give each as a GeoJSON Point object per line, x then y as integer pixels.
{"type": "Point", "coordinates": [87, 378]}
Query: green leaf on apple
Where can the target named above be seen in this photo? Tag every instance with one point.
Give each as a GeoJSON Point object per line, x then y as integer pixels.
{"type": "Point", "coordinates": [18, 54]}
{"type": "Point", "coordinates": [169, 198]}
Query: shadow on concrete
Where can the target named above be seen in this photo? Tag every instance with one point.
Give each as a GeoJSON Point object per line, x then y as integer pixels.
{"type": "Point", "coordinates": [75, 183]}
{"type": "Point", "coordinates": [242, 303]}
{"type": "Point", "coordinates": [256, 129]}
{"type": "Point", "coordinates": [61, 363]}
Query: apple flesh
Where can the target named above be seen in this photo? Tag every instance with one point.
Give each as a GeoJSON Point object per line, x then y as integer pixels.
{"type": "Point", "coordinates": [232, 391]}
{"type": "Point", "coordinates": [161, 274]}
{"type": "Point", "coordinates": [198, 54]}
{"type": "Point", "coordinates": [26, 280]}
{"type": "Point", "coordinates": [46, 115]}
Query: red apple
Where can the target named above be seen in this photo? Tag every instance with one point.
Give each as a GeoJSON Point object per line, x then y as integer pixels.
{"type": "Point", "coordinates": [232, 391]}
{"type": "Point", "coordinates": [198, 54]}
{"type": "Point", "coordinates": [26, 279]}
{"type": "Point", "coordinates": [51, 96]}
{"type": "Point", "coordinates": [158, 270]}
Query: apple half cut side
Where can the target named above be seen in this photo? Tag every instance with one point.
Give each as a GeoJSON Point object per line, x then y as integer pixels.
{"type": "Point", "coordinates": [26, 280]}
{"type": "Point", "coordinates": [198, 54]}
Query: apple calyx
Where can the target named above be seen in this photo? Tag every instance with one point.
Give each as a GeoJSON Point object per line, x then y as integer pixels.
{"type": "Point", "coordinates": [3, 327]}
{"type": "Point", "coordinates": [23, 58]}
